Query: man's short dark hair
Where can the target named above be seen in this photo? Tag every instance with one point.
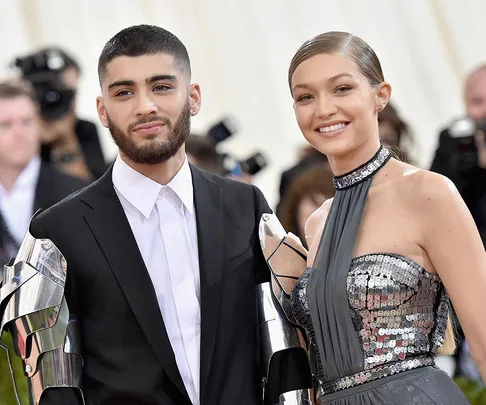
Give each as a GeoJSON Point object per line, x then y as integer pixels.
{"type": "Point", "coordinates": [141, 40]}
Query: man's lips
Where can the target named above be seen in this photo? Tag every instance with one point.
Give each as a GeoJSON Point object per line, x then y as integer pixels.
{"type": "Point", "coordinates": [149, 128]}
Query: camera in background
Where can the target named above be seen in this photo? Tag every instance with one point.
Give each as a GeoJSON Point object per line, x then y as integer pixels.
{"type": "Point", "coordinates": [462, 150]}
{"type": "Point", "coordinates": [43, 69]}
{"type": "Point", "coordinates": [226, 164]}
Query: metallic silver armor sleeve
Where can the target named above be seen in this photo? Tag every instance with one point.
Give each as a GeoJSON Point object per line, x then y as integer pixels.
{"type": "Point", "coordinates": [281, 340]}
{"type": "Point", "coordinates": [34, 310]}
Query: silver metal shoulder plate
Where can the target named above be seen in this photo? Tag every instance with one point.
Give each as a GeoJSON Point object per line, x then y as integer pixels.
{"type": "Point", "coordinates": [34, 310]}
{"type": "Point", "coordinates": [283, 346]}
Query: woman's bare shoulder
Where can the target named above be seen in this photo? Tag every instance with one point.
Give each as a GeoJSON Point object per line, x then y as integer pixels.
{"type": "Point", "coordinates": [425, 190]}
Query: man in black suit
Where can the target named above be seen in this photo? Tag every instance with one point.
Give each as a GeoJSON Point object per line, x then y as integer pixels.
{"type": "Point", "coordinates": [162, 258]}
{"type": "Point", "coordinates": [26, 184]}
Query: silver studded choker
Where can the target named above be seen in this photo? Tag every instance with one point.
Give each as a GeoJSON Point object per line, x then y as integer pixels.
{"type": "Point", "coordinates": [364, 171]}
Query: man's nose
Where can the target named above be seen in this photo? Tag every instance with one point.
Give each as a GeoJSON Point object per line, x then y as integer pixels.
{"type": "Point", "coordinates": [145, 106]}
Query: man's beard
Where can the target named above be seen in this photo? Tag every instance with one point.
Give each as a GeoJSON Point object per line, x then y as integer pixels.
{"type": "Point", "coordinates": [155, 151]}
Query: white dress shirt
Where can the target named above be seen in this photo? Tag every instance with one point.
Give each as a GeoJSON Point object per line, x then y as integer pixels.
{"type": "Point", "coordinates": [17, 205]}
{"type": "Point", "coordinates": [163, 221]}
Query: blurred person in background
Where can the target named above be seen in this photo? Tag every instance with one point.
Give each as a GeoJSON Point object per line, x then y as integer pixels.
{"type": "Point", "coordinates": [26, 183]}
{"type": "Point", "coordinates": [71, 144]}
{"type": "Point", "coordinates": [307, 192]}
{"type": "Point", "coordinates": [201, 152]}
{"type": "Point", "coordinates": [461, 152]}
{"type": "Point", "coordinates": [308, 157]}
{"type": "Point", "coordinates": [395, 133]}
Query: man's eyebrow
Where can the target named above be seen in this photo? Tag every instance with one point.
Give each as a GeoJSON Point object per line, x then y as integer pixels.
{"type": "Point", "coordinates": [120, 83]}
{"type": "Point", "coordinates": [157, 78]}
{"type": "Point", "coordinates": [152, 79]}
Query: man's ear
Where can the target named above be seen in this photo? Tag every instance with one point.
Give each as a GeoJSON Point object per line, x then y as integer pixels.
{"type": "Point", "coordinates": [194, 99]}
{"type": "Point", "coordinates": [100, 107]}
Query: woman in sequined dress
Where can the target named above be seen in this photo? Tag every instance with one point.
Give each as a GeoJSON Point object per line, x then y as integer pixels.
{"type": "Point", "coordinates": [386, 252]}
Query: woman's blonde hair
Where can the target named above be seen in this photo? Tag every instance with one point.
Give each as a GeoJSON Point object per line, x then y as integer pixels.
{"type": "Point", "coordinates": [449, 346]}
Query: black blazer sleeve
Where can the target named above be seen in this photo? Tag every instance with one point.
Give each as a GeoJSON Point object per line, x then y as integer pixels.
{"type": "Point", "coordinates": [261, 207]}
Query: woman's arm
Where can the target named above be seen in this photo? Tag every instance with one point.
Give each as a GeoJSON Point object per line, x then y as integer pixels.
{"type": "Point", "coordinates": [452, 241]}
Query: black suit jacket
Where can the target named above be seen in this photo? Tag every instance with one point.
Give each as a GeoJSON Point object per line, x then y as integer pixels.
{"type": "Point", "coordinates": [127, 353]}
{"type": "Point", "coordinates": [470, 180]}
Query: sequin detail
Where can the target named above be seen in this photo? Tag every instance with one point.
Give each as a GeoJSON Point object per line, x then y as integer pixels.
{"type": "Point", "coordinates": [364, 171]}
{"type": "Point", "coordinates": [399, 311]}
{"type": "Point", "coordinates": [374, 374]}
{"type": "Point", "coordinates": [300, 308]}
{"type": "Point", "coordinates": [394, 303]}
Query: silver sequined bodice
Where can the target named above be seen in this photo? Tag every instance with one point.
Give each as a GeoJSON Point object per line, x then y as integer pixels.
{"type": "Point", "coordinates": [399, 310]}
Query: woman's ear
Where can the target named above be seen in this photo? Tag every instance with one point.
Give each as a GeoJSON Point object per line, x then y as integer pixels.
{"type": "Point", "coordinates": [382, 95]}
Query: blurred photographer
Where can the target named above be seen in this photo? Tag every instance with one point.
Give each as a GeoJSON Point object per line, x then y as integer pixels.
{"type": "Point", "coordinates": [72, 145]}
{"type": "Point", "coordinates": [461, 154]}
{"type": "Point", "coordinates": [202, 152]}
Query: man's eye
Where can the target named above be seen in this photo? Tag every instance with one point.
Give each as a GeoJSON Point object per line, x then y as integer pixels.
{"type": "Point", "coordinates": [161, 87]}
{"type": "Point", "coordinates": [123, 93]}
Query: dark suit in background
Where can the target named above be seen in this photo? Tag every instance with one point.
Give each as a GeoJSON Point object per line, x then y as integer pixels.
{"type": "Point", "coordinates": [52, 186]}
{"type": "Point", "coordinates": [466, 174]}
{"type": "Point", "coordinates": [127, 353]}
{"type": "Point", "coordinates": [89, 141]}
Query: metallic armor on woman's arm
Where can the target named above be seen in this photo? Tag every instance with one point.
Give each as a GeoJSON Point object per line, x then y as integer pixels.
{"type": "Point", "coordinates": [286, 375]}
{"type": "Point", "coordinates": [34, 311]}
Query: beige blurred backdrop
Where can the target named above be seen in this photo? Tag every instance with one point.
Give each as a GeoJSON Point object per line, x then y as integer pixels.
{"type": "Point", "coordinates": [240, 51]}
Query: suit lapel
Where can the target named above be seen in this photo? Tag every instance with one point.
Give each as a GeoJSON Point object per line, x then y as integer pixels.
{"type": "Point", "coordinates": [112, 230]}
{"type": "Point", "coordinates": [209, 213]}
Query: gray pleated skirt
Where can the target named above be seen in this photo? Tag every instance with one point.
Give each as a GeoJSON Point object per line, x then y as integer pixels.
{"type": "Point", "coordinates": [422, 386]}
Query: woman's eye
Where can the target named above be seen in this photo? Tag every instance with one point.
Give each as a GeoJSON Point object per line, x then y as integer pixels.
{"type": "Point", "coordinates": [305, 97]}
{"type": "Point", "coordinates": [342, 89]}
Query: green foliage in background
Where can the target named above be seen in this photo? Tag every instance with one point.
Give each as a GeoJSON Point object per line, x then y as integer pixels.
{"type": "Point", "coordinates": [7, 396]}
{"type": "Point", "coordinates": [474, 391]}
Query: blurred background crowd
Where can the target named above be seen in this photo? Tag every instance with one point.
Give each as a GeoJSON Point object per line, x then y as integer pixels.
{"type": "Point", "coordinates": [51, 144]}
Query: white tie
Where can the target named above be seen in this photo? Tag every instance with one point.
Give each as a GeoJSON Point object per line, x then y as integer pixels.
{"type": "Point", "coordinates": [183, 326]}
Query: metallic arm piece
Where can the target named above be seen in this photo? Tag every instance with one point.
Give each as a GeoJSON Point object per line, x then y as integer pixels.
{"type": "Point", "coordinates": [286, 374]}
{"type": "Point", "coordinates": [34, 310]}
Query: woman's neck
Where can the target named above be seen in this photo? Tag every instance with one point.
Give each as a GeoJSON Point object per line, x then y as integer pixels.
{"type": "Point", "coordinates": [343, 164]}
